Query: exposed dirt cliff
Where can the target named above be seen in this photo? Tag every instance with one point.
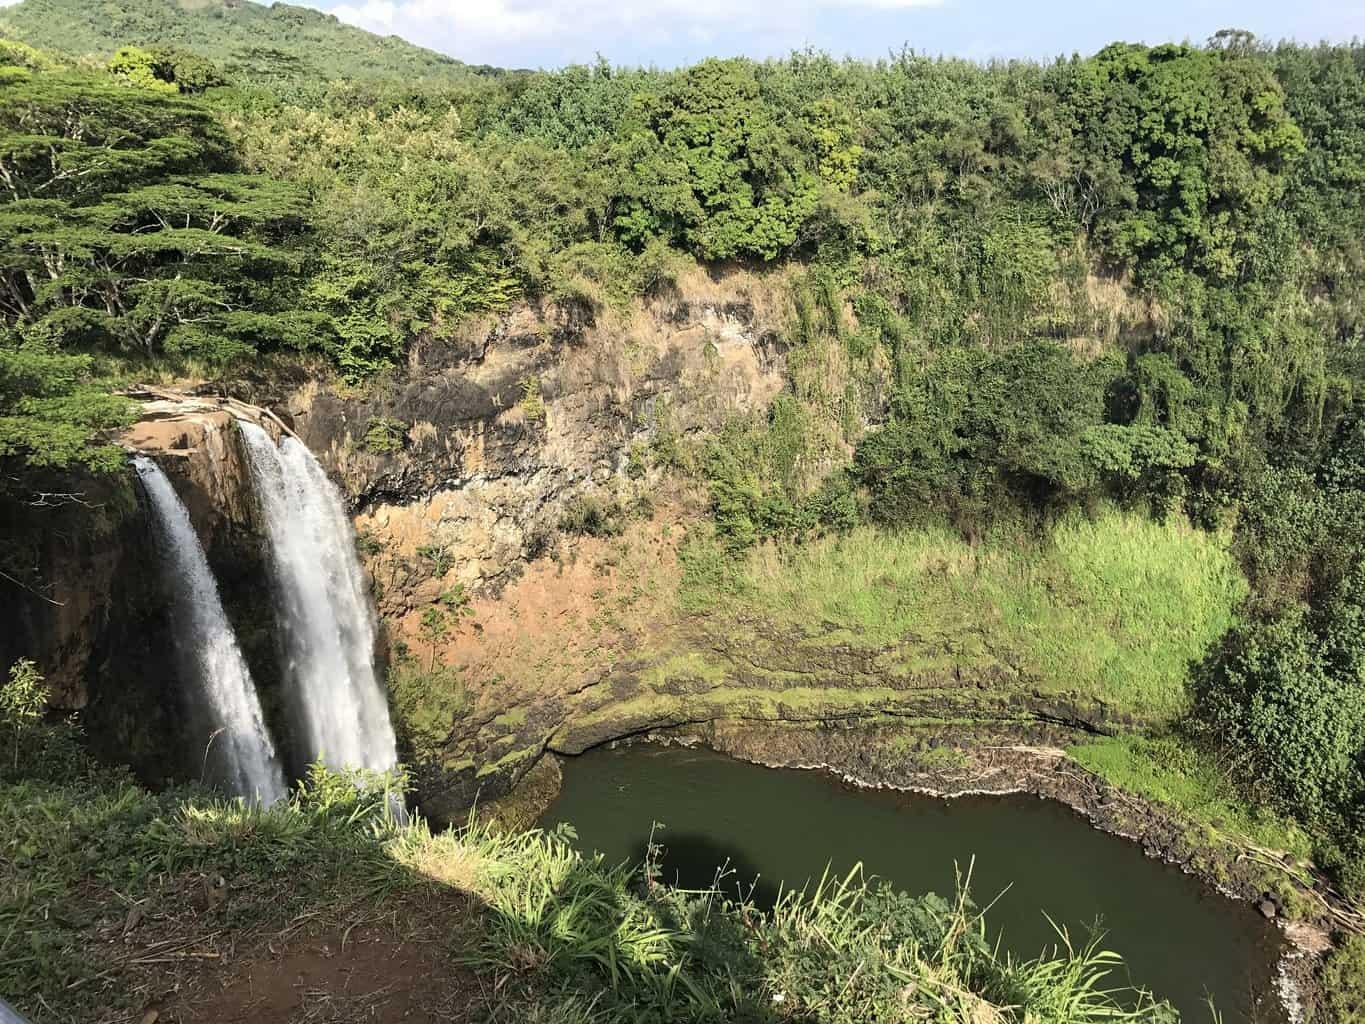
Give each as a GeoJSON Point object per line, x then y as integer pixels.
{"type": "Point", "coordinates": [523, 533]}
{"type": "Point", "coordinates": [516, 512]}
{"type": "Point", "coordinates": [479, 447]}
{"type": "Point", "coordinates": [465, 469]}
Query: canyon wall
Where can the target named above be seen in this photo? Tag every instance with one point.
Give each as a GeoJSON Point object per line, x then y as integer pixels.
{"type": "Point", "coordinates": [523, 531]}
{"type": "Point", "coordinates": [90, 604]}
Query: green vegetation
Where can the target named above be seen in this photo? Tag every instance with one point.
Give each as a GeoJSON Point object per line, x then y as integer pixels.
{"type": "Point", "coordinates": [1284, 694]}
{"type": "Point", "coordinates": [384, 436]}
{"type": "Point", "coordinates": [282, 43]}
{"type": "Point", "coordinates": [1170, 771]}
{"type": "Point", "coordinates": [426, 700]}
{"type": "Point", "coordinates": [1113, 609]}
{"type": "Point", "coordinates": [588, 515]}
{"type": "Point", "coordinates": [1343, 979]}
{"type": "Point", "coordinates": [127, 235]}
{"type": "Point", "coordinates": [966, 230]}
{"type": "Point", "coordinates": [22, 700]}
{"type": "Point", "coordinates": [1020, 295]}
{"type": "Point", "coordinates": [559, 937]}
{"type": "Point", "coordinates": [846, 950]}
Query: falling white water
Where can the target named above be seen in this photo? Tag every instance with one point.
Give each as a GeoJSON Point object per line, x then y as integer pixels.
{"type": "Point", "coordinates": [329, 627]}
{"type": "Point", "coordinates": [239, 746]}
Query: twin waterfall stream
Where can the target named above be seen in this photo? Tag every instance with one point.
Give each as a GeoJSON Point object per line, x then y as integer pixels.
{"type": "Point", "coordinates": [328, 625]}
{"type": "Point", "coordinates": [242, 753]}
{"type": "Point", "coordinates": [325, 618]}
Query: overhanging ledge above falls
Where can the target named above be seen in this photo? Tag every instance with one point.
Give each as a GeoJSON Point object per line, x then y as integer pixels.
{"type": "Point", "coordinates": [175, 423]}
{"type": "Point", "coordinates": [194, 438]}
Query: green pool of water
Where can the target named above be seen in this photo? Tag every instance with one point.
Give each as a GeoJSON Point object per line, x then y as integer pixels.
{"type": "Point", "coordinates": [1029, 856]}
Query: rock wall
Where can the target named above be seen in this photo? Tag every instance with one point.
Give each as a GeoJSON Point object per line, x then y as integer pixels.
{"type": "Point", "coordinates": [68, 577]}
{"type": "Point", "coordinates": [466, 470]}
{"type": "Point", "coordinates": [479, 447]}
{"type": "Point", "coordinates": [464, 467]}
{"type": "Point", "coordinates": [472, 473]}
{"type": "Point", "coordinates": [461, 469]}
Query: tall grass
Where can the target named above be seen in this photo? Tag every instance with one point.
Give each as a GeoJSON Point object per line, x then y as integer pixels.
{"type": "Point", "coordinates": [561, 938]}
{"type": "Point", "coordinates": [847, 950]}
{"type": "Point", "coordinates": [1115, 608]}
{"type": "Point", "coordinates": [1172, 772]}
{"type": "Point", "coordinates": [74, 849]}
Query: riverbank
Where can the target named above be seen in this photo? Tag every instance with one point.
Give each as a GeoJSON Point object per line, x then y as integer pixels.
{"type": "Point", "coordinates": [1279, 884]}
{"type": "Point", "coordinates": [120, 905]}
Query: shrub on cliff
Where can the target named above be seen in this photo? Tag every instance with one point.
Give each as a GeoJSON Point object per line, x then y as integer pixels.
{"type": "Point", "coordinates": [35, 748]}
{"type": "Point", "coordinates": [975, 436]}
{"type": "Point", "coordinates": [1342, 977]}
{"type": "Point", "coordinates": [50, 408]}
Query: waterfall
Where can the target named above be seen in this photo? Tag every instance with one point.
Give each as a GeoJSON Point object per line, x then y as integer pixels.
{"type": "Point", "coordinates": [328, 624]}
{"type": "Point", "coordinates": [238, 746]}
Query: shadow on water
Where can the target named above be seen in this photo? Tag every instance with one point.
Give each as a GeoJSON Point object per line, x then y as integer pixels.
{"type": "Point", "coordinates": [692, 860]}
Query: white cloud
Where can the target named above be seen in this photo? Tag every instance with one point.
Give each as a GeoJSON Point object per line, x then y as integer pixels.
{"type": "Point", "coordinates": [558, 31]}
{"type": "Point", "coordinates": [464, 18]}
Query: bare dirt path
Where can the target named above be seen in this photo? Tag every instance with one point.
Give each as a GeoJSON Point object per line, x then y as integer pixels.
{"type": "Point", "coordinates": [383, 963]}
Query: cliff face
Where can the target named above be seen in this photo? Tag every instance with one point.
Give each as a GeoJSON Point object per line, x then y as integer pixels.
{"type": "Point", "coordinates": [486, 439]}
{"type": "Point", "coordinates": [524, 537]}
{"type": "Point", "coordinates": [462, 470]}
{"type": "Point", "coordinates": [476, 473]}
{"type": "Point", "coordinates": [522, 532]}
{"type": "Point", "coordinates": [67, 570]}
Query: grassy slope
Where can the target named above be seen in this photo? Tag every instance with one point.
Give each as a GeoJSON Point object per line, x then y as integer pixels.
{"type": "Point", "coordinates": [1175, 775]}
{"type": "Point", "coordinates": [315, 44]}
{"type": "Point", "coordinates": [1110, 610]}
{"type": "Point", "coordinates": [548, 935]}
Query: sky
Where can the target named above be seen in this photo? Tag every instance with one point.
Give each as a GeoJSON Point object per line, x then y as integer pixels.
{"type": "Point", "coordinates": [666, 33]}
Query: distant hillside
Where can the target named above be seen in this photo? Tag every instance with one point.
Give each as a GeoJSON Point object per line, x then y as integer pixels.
{"type": "Point", "coordinates": [281, 41]}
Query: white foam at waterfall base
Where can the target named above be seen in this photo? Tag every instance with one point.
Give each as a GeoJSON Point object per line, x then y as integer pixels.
{"type": "Point", "coordinates": [239, 747]}
{"type": "Point", "coordinates": [328, 624]}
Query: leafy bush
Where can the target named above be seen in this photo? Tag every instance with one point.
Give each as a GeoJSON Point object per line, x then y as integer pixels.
{"type": "Point", "coordinates": [34, 748]}
{"type": "Point", "coordinates": [532, 402]}
{"type": "Point", "coordinates": [384, 436]}
{"type": "Point", "coordinates": [438, 558]}
{"type": "Point", "coordinates": [590, 516]}
{"type": "Point", "coordinates": [1342, 976]}
{"type": "Point", "coordinates": [1274, 696]}
{"type": "Point", "coordinates": [1286, 693]}
{"type": "Point", "coordinates": [22, 700]}
{"type": "Point", "coordinates": [976, 435]}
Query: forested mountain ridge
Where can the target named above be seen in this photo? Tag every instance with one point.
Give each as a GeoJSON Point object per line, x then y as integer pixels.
{"type": "Point", "coordinates": [278, 41]}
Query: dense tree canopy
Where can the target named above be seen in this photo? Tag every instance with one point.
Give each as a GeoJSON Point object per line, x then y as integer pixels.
{"type": "Point", "coordinates": [126, 229]}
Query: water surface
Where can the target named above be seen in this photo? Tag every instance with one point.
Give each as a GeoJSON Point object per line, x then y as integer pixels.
{"type": "Point", "coordinates": [1179, 939]}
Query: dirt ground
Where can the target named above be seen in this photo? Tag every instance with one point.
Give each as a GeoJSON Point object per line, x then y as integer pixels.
{"type": "Point", "coordinates": [367, 974]}
{"type": "Point", "coordinates": [566, 618]}
{"type": "Point", "coordinates": [378, 963]}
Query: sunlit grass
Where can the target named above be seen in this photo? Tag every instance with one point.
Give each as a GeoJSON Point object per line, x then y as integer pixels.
{"type": "Point", "coordinates": [558, 937]}
{"type": "Point", "coordinates": [1172, 773]}
{"type": "Point", "coordinates": [1116, 608]}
